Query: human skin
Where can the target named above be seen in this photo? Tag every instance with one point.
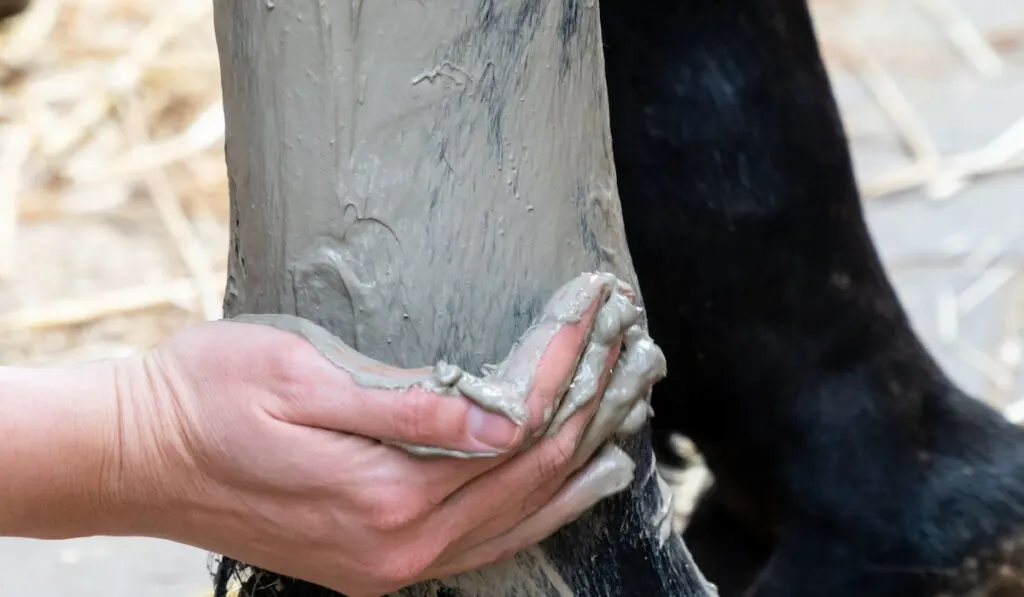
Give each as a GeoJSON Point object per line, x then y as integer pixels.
{"type": "Point", "coordinates": [243, 439]}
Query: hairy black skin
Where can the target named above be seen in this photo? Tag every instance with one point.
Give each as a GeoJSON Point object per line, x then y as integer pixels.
{"type": "Point", "coordinates": [846, 462]}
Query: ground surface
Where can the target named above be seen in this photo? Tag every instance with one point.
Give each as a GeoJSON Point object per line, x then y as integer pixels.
{"type": "Point", "coordinates": [958, 262]}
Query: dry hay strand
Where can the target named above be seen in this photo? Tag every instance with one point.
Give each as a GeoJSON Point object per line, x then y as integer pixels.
{"type": "Point", "coordinates": [857, 51]}
{"type": "Point", "coordinates": [111, 129]}
{"type": "Point", "coordinates": [942, 177]}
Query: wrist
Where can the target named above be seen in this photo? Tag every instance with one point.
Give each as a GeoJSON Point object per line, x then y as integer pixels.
{"type": "Point", "coordinates": [88, 449]}
{"type": "Point", "coordinates": [59, 454]}
{"type": "Point", "coordinates": [147, 492]}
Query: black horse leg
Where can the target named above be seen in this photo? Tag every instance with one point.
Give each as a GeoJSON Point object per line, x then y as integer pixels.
{"type": "Point", "coordinates": [841, 452]}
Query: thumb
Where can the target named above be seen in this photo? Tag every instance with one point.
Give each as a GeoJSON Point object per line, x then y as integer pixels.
{"type": "Point", "coordinates": [329, 385]}
{"type": "Point", "coordinates": [424, 422]}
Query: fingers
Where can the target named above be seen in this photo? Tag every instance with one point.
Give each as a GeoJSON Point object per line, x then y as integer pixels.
{"type": "Point", "coordinates": [428, 424]}
{"type": "Point", "coordinates": [485, 498]}
{"type": "Point", "coordinates": [523, 500]}
{"type": "Point", "coordinates": [617, 316]}
{"type": "Point", "coordinates": [609, 473]}
{"type": "Point", "coordinates": [621, 411]}
{"type": "Point", "coordinates": [444, 477]}
{"type": "Point", "coordinates": [553, 396]}
{"type": "Point", "coordinates": [542, 367]}
{"type": "Point", "coordinates": [624, 409]}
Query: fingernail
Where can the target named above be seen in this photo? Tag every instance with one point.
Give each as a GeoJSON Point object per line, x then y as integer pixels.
{"type": "Point", "coordinates": [492, 430]}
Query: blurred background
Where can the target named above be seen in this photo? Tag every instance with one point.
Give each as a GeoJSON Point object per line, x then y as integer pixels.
{"type": "Point", "coordinates": [113, 205]}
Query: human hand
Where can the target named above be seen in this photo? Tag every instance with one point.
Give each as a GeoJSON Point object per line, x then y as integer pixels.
{"type": "Point", "coordinates": [250, 443]}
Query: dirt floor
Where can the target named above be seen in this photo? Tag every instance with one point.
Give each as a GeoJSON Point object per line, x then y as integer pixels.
{"type": "Point", "coordinates": [110, 149]}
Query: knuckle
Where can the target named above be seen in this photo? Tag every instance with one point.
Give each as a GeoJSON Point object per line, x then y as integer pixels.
{"type": "Point", "coordinates": [396, 511]}
{"type": "Point", "coordinates": [534, 502]}
{"type": "Point", "coordinates": [504, 554]}
{"type": "Point", "coordinates": [579, 425]}
{"type": "Point", "coordinates": [553, 459]}
{"type": "Point", "coordinates": [289, 365]}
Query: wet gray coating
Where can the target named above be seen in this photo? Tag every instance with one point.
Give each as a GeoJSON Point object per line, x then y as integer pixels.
{"type": "Point", "coordinates": [618, 315]}
{"type": "Point", "coordinates": [417, 178]}
{"type": "Point", "coordinates": [624, 407]}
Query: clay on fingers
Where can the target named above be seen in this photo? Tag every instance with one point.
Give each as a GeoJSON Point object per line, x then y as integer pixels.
{"type": "Point", "coordinates": [505, 387]}
{"type": "Point", "coordinates": [565, 307]}
{"type": "Point", "coordinates": [615, 318]}
{"type": "Point", "coordinates": [617, 315]}
{"type": "Point", "coordinates": [625, 407]}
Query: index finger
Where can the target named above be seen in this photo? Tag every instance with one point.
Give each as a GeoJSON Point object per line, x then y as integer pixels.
{"type": "Point", "coordinates": [563, 348]}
